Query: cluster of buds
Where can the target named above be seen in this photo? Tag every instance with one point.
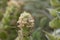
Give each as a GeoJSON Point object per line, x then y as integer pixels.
{"type": "Point", "coordinates": [25, 20]}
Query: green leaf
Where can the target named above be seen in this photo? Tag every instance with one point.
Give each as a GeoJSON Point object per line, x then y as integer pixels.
{"type": "Point", "coordinates": [38, 34]}
{"type": "Point", "coordinates": [44, 22]}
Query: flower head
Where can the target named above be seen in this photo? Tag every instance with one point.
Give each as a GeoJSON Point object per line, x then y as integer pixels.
{"type": "Point", "coordinates": [15, 3]}
{"type": "Point", "coordinates": [26, 20]}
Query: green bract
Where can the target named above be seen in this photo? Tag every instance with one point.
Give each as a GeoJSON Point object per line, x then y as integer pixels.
{"type": "Point", "coordinates": [54, 12]}
{"type": "Point", "coordinates": [55, 23]}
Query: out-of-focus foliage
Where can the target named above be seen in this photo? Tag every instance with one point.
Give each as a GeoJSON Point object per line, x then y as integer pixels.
{"type": "Point", "coordinates": [52, 36]}
{"type": "Point", "coordinates": [44, 21]}
{"type": "Point", "coordinates": [3, 3]}
{"type": "Point", "coordinates": [38, 35]}
{"type": "Point", "coordinates": [53, 11]}
{"type": "Point", "coordinates": [55, 23]}
{"type": "Point", "coordinates": [44, 15]}
{"type": "Point", "coordinates": [9, 21]}
{"type": "Point", "coordinates": [55, 3]}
